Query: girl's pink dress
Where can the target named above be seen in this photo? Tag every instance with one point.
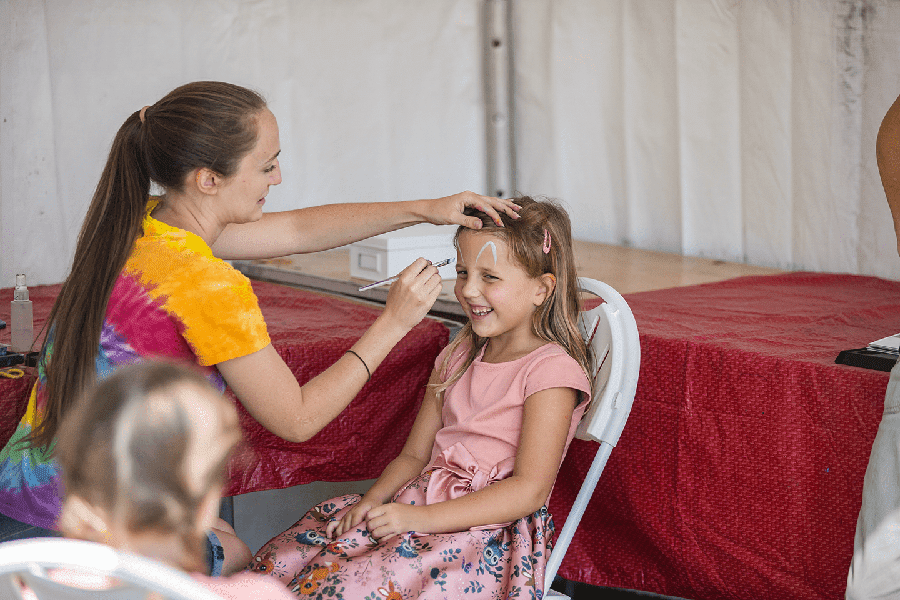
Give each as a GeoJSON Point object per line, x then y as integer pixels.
{"type": "Point", "coordinates": [482, 418]}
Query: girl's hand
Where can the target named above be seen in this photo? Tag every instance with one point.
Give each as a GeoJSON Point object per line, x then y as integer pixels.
{"type": "Point", "coordinates": [413, 294]}
{"type": "Point", "coordinates": [388, 520]}
{"type": "Point", "coordinates": [449, 210]}
{"type": "Point", "coordinates": [351, 519]}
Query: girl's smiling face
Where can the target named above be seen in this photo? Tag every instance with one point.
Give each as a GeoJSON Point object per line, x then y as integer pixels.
{"type": "Point", "coordinates": [495, 291]}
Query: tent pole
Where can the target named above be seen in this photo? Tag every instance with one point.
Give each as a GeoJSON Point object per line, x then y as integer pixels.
{"type": "Point", "coordinates": [498, 91]}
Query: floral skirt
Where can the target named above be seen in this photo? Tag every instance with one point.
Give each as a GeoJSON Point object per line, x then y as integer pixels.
{"type": "Point", "coordinates": [502, 562]}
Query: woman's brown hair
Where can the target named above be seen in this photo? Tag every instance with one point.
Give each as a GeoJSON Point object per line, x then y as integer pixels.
{"type": "Point", "coordinates": [556, 320]}
{"type": "Point", "coordinates": [125, 448]}
{"type": "Point", "coordinates": [205, 124]}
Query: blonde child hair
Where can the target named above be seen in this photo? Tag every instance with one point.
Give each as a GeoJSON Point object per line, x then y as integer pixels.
{"type": "Point", "coordinates": [143, 460]}
{"type": "Point", "coordinates": [541, 224]}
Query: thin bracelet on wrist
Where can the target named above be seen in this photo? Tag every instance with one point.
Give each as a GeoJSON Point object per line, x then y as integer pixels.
{"type": "Point", "coordinates": [368, 372]}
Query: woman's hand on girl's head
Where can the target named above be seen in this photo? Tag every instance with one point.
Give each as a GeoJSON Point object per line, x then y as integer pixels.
{"type": "Point", "coordinates": [351, 519]}
{"type": "Point", "coordinates": [449, 210]}
{"type": "Point", "coordinates": [388, 520]}
{"type": "Point", "coordinates": [413, 294]}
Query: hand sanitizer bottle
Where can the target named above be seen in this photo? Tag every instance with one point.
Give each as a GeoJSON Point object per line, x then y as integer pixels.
{"type": "Point", "coordinates": [22, 318]}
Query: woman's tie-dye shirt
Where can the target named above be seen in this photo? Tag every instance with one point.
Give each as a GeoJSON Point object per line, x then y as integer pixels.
{"type": "Point", "coordinates": [174, 300]}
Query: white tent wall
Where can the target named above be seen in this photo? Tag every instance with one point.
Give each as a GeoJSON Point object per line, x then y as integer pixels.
{"type": "Point", "coordinates": [732, 130]}
{"type": "Point", "coordinates": [375, 99]}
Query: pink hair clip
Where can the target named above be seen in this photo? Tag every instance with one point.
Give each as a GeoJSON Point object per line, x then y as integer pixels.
{"type": "Point", "coordinates": [546, 242]}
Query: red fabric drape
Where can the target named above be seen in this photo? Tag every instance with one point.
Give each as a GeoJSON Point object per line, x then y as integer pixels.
{"type": "Point", "coordinates": [310, 331]}
{"type": "Point", "coordinates": [739, 472]}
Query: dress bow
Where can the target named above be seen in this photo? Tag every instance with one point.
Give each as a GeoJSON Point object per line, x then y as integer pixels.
{"type": "Point", "coordinates": [456, 473]}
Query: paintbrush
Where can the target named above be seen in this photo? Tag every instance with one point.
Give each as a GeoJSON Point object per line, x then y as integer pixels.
{"type": "Point", "coordinates": [391, 280]}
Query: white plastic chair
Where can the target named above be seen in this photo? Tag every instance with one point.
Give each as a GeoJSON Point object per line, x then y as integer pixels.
{"type": "Point", "coordinates": [29, 561]}
{"type": "Point", "coordinates": [613, 336]}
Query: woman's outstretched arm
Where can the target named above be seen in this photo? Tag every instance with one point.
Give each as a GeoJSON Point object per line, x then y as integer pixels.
{"type": "Point", "coordinates": [269, 391]}
{"type": "Point", "coordinates": [332, 225]}
{"type": "Point", "coordinates": [414, 457]}
{"type": "Point", "coordinates": [545, 426]}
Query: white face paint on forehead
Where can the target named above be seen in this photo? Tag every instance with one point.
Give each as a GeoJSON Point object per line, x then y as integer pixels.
{"type": "Point", "coordinates": [493, 251]}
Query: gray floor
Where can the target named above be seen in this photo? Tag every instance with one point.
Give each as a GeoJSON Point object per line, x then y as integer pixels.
{"type": "Point", "coordinates": [259, 516]}
{"type": "Point", "coordinates": [583, 591]}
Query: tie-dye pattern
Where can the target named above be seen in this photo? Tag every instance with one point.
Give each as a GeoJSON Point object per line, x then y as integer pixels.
{"type": "Point", "coordinates": [173, 299]}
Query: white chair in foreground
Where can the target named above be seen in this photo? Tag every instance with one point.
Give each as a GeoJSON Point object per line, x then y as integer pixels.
{"type": "Point", "coordinates": [30, 560]}
{"type": "Point", "coordinates": [613, 336]}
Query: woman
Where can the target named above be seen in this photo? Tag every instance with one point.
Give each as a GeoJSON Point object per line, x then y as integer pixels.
{"type": "Point", "coordinates": [148, 279]}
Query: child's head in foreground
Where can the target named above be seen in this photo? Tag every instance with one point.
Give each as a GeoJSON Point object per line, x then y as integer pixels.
{"type": "Point", "coordinates": [143, 457]}
{"type": "Point", "coordinates": [522, 278]}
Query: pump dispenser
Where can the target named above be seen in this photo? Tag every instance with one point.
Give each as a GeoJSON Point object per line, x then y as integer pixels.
{"type": "Point", "coordinates": [22, 318]}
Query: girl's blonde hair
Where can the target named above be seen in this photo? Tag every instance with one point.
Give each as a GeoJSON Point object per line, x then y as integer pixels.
{"type": "Point", "coordinates": [125, 448]}
{"type": "Point", "coordinates": [556, 320]}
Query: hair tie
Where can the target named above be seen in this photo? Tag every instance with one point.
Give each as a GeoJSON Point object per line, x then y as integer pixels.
{"type": "Point", "coordinates": [141, 115]}
{"type": "Point", "coordinates": [368, 372]}
{"type": "Point", "coordinates": [547, 241]}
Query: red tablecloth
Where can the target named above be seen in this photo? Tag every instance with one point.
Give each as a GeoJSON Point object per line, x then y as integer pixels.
{"type": "Point", "coordinates": [739, 473]}
{"type": "Point", "coordinates": [310, 332]}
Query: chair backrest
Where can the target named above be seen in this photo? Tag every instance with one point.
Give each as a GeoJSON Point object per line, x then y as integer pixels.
{"type": "Point", "coordinates": [30, 561]}
{"type": "Point", "coordinates": [612, 333]}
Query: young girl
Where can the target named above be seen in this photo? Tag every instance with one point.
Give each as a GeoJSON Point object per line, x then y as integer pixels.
{"type": "Point", "coordinates": [462, 510]}
{"type": "Point", "coordinates": [143, 464]}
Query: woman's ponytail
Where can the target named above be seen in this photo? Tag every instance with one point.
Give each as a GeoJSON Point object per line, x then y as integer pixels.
{"type": "Point", "coordinates": [111, 226]}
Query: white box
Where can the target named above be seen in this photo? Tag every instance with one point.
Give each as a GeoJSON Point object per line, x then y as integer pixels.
{"type": "Point", "coordinates": [387, 254]}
